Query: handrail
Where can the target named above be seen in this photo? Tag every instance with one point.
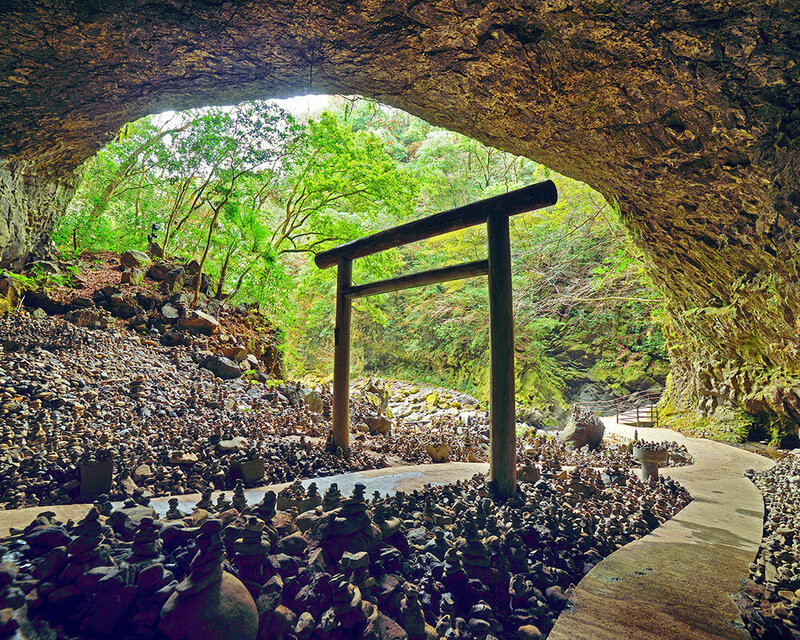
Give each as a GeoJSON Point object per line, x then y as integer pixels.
{"type": "Point", "coordinates": [530, 198]}
{"type": "Point", "coordinates": [631, 401]}
{"type": "Point", "coordinates": [647, 398]}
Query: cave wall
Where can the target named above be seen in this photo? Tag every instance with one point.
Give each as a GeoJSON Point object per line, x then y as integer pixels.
{"type": "Point", "coordinates": [684, 112]}
{"type": "Point", "coordinates": [30, 203]}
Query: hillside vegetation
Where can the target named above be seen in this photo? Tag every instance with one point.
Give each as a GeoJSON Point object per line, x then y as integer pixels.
{"type": "Point", "coordinates": [252, 193]}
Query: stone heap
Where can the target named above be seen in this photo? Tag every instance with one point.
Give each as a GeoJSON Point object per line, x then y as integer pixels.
{"type": "Point", "coordinates": [386, 522]}
{"type": "Point", "coordinates": [770, 600]}
{"type": "Point", "coordinates": [209, 604]}
{"type": "Point", "coordinates": [239, 498]}
{"type": "Point", "coordinates": [147, 543]}
{"type": "Point", "coordinates": [292, 496]}
{"type": "Point", "coordinates": [488, 570]}
{"type": "Point", "coordinates": [350, 527]}
{"type": "Point", "coordinates": [205, 501]}
{"type": "Point", "coordinates": [250, 555]}
{"type": "Point", "coordinates": [222, 504]}
{"type": "Point", "coordinates": [148, 405]}
{"type": "Point", "coordinates": [346, 613]}
{"type": "Point", "coordinates": [266, 509]}
{"type": "Point", "coordinates": [475, 554]}
{"type": "Point", "coordinates": [412, 617]}
{"type": "Point", "coordinates": [173, 512]}
{"type": "Point", "coordinates": [332, 498]}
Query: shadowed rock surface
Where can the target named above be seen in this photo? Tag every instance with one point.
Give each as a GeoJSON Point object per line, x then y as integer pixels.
{"type": "Point", "coordinates": [684, 113]}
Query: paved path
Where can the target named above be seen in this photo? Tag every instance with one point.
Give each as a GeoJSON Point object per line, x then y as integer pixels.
{"type": "Point", "coordinates": [386, 481]}
{"type": "Point", "coordinates": [675, 583]}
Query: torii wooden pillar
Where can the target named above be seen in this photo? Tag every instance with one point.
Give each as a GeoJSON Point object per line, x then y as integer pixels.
{"type": "Point", "coordinates": [495, 213]}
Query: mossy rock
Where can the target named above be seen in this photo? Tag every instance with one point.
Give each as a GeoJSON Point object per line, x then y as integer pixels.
{"type": "Point", "coordinates": [659, 369]}
{"type": "Point", "coordinates": [604, 373]}
{"type": "Point", "coordinates": [636, 379]}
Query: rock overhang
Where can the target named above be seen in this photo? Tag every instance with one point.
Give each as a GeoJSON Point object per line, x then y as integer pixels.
{"type": "Point", "coordinates": [685, 114]}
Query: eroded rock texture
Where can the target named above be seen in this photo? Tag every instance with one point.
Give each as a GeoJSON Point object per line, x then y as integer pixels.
{"type": "Point", "coordinates": [684, 112]}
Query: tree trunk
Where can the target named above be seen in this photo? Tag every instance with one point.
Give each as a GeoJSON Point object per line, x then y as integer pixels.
{"type": "Point", "coordinates": [224, 272]}
{"type": "Point", "coordinates": [199, 278]}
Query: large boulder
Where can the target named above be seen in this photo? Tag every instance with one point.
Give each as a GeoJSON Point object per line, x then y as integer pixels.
{"type": "Point", "coordinates": [134, 259]}
{"type": "Point", "coordinates": [123, 306]}
{"type": "Point", "coordinates": [46, 300]}
{"type": "Point", "coordinates": [159, 271]}
{"type": "Point", "coordinates": [438, 452]}
{"type": "Point", "coordinates": [133, 276]}
{"type": "Point", "coordinates": [223, 611]}
{"type": "Point", "coordinates": [583, 429]}
{"type": "Point", "coordinates": [175, 280]}
{"type": "Point", "coordinates": [222, 367]}
{"type": "Point", "coordinates": [198, 322]}
{"type": "Point", "coordinates": [235, 352]}
{"type": "Point", "coordinates": [378, 424]}
{"type": "Point", "coordinates": [311, 400]}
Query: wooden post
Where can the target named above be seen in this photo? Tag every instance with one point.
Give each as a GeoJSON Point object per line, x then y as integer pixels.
{"type": "Point", "coordinates": [503, 453]}
{"type": "Point", "coordinates": [341, 356]}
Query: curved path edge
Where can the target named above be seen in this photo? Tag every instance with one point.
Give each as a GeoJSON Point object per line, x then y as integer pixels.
{"type": "Point", "coordinates": [677, 582]}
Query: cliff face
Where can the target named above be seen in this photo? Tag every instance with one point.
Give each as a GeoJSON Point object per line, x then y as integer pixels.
{"type": "Point", "coordinates": [684, 112]}
{"type": "Point", "coordinates": [30, 202]}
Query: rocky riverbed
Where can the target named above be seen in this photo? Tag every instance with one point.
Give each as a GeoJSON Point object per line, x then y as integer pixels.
{"type": "Point", "coordinates": [770, 599]}
{"type": "Point", "coordinates": [443, 562]}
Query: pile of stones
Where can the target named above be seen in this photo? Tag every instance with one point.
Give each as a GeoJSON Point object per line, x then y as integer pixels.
{"type": "Point", "coordinates": [424, 425]}
{"type": "Point", "coordinates": [770, 600]}
{"type": "Point", "coordinates": [155, 298]}
{"type": "Point", "coordinates": [439, 563]}
{"type": "Point", "coordinates": [614, 451]}
{"type": "Point", "coordinates": [68, 392]}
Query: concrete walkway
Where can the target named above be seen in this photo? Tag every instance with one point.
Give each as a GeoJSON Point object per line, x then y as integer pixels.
{"type": "Point", "coordinates": [676, 583]}
{"type": "Point", "coordinates": [386, 481]}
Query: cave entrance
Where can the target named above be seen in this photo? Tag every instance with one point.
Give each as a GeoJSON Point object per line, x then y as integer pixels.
{"type": "Point", "coordinates": [494, 212]}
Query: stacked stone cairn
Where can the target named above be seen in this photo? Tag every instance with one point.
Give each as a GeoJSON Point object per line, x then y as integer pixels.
{"type": "Point", "coordinates": [445, 562]}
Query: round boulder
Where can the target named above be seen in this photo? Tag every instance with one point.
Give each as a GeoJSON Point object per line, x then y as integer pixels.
{"type": "Point", "coordinates": [223, 611]}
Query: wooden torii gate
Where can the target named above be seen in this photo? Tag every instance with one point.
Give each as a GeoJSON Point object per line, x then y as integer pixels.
{"type": "Point", "coordinates": [494, 212]}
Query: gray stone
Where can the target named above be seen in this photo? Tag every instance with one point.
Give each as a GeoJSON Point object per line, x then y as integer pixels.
{"type": "Point", "coordinates": [198, 322]}
{"type": "Point", "coordinates": [583, 429]}
{"type": "Point", "coordinates": [158, 271]}
{"type": "Point", "coordinates": [134, 259]}
{"type": "Point", "coordinates": [170, 311]}
{"type": "Point", "coordinates": [133, 276]}
{"type": "Point", "coordinates": [222, 367]}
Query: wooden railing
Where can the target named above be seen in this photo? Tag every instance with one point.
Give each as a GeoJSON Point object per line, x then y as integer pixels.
{"type": "Point", "coordinates": [494, 212]}
{"type": "Point", "coordinates": [639, 408]}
